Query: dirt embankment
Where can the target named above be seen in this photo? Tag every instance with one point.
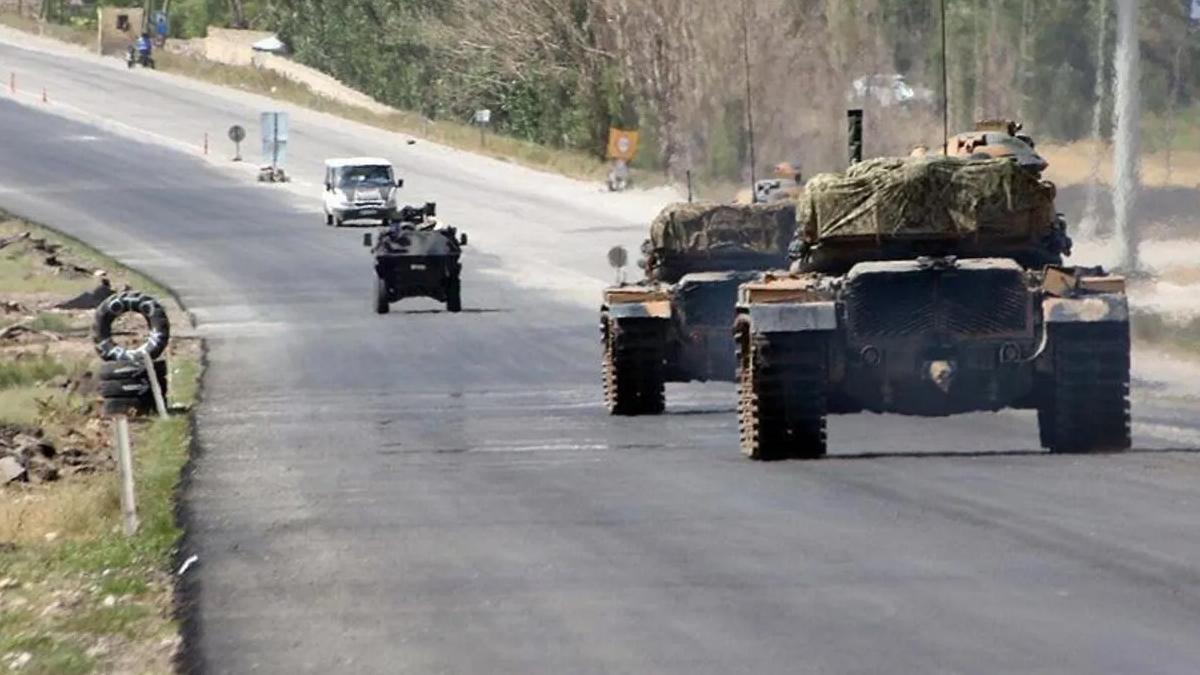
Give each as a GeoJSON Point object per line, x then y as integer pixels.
{"type": "Point", "coordinates": [78, 594]}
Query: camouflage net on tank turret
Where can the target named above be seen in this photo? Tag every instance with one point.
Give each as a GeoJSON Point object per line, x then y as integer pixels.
{"type": "Point", "coordinates": [897, 198]}
{"type": "Point", "coordinates": [704, 228]}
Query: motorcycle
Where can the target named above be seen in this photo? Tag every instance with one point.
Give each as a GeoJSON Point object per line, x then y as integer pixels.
{"type": "Point", "coordinates": [132, 56]}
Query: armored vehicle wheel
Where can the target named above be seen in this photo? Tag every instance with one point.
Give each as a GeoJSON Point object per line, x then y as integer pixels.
{"type": "Point", "coordinates": [454, 295]}
{"type": "Point", "coordinates": [381, 297]}
{"type": "Point", "coordinates": [1085, 404]}
{"type": "Point", "coordinates": [634, 368]}
{"type": "Point", "coordinates": [782, 404]}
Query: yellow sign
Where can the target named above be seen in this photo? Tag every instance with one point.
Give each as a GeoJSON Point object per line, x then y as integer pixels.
{"type": "Point", "coordinates": [622, 144]}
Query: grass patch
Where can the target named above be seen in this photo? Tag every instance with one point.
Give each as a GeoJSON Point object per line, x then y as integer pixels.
{"type": "Point", "coordinates": [77, 595]}
{"type": "Point", "coordinates": [31, 372]}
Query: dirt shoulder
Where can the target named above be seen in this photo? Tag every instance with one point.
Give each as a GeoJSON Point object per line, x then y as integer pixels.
{"type": "Point", "coordinates": [77, 595]}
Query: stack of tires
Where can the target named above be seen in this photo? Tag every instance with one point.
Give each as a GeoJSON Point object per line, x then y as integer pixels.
{"type": "Point", "coordinates": [123, 378]}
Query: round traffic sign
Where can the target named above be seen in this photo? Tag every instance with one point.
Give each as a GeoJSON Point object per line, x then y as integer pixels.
{"type": "Point", "coordinates": [623, 144]}
{"type": "Point", "coordinates": [237, 134]}
{"type": "Point", "coordinates": [617, 257]}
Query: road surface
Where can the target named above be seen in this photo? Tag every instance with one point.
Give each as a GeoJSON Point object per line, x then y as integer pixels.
{"type": "Point", "coordinates": [431, 493]}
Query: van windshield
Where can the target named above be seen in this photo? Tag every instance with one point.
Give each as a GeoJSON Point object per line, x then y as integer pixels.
{"type": "Point", "coordinates": [356, 176]}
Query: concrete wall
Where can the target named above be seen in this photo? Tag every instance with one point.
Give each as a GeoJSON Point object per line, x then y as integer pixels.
{"type": "Point", "coordinates": [233, 47]}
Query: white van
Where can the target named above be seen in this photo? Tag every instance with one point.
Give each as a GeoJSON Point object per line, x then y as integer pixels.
{"type": "Point", "coordinates": [360, 188]}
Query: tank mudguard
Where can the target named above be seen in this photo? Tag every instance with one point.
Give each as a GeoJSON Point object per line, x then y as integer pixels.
{"type": "Point", "coordinates": [648, 309]}
{"type": "Point", "coordinates": [792, 317]}
{"type": "Point", "coordinates": [1092, 308]}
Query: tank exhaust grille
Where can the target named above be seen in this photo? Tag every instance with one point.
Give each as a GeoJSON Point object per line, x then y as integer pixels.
{"type": "Point", "coordinates": [954, 302]}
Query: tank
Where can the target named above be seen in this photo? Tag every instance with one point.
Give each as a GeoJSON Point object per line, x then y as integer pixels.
{"type": "Point", "coordinates": [416, 256]}
{"type": "Point", "coordinates": [931, 286]}
{"type": "Point", "coordinates": [673, 325]}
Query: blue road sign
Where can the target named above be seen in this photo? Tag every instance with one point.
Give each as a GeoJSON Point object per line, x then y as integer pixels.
{"type": "Point", "coordinates": [274, 138]}
{"type": "Point", "coordinates": [161, 24]}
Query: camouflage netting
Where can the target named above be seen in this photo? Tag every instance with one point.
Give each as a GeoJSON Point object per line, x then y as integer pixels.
{"type": "Point", "coordinates": [930, 197]}
{"type": "Point", "coordinates": [700, 229]}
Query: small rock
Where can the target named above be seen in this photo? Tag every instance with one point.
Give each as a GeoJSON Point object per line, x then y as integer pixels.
{"type": "Point", "coordinates": [19, 660]}
{"type": "Point", "coordinates": [35, 447]}
{"type": "Point", "coordinates": [25, 438]}
{"type": "Point", "coordinates": [109, 601]}
{"type": "Point", "coordinates": [11, 470]}
{"type": "Point", "coordinates": [7, 583]}
{"type": "Point", "coordinates": [74, 457]}
{"type": "Point", "coordinates": [51, 536]}
{"type": "Point", "coordinates": [42, 470]}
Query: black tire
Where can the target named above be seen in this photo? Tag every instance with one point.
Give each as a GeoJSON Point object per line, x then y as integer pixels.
{"type": "Point", "coordinates": [133, 388]}
{"type": "Point", "coordinates": [131, 405]}
{"type": "Point", "coordinates": [634, 366]}
{"type": "Point", "coordinates": [454, 295]}
{"type": "Point", "coordinates": [126, 370]}
{"type": "Point", "coordinates": [782, 394]}
{"type": "Point", "coordinates": [134, 383]}
{"type": "Point", "coordinates": [130, 301]}
{"type": "Point", "coordinates": [381, 297]}
{"type": "Point", "coordinates": [1085, 404]}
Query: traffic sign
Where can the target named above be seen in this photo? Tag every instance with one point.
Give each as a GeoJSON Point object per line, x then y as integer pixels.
{"type": "Point", "coordinates": [237, 134]}
{"type": "Point", "coordinates": [274, 138]}
{"type": "Point", "coordinates": [622, 144]}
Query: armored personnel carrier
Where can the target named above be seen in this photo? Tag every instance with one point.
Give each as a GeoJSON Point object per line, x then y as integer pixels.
{"type": "Point", "coordinates": [673, 326]}
{"type": "Point", "coordinates": [931, 286]}
{"type": "Point", "coordinates": [415, 256]}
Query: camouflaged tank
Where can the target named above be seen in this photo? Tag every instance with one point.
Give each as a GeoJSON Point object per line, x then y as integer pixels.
{"type": "Point", "coordinates": [673, 326]}
{"type": "Point", "coordinates": [932, 286]}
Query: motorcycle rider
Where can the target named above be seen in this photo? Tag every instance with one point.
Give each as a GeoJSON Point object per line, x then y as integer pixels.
{"type": "Point", "coordinates": [144, 46]}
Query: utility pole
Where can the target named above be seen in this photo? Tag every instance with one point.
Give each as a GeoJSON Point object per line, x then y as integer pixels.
{"type": "Point", "coordinates": [1087, 224]}
{"type": "Point", "coordinates": [749, 100]}
{"type": "Point", "coordinates": [1127, 148]}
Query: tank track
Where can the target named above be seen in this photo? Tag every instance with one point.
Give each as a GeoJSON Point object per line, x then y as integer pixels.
{"type": "Point", "coordinates": [634, 370]}
{"type": "Point", "coordinates": [1085, 404]}
{"type": "Point", "coordinates": [782, 400]}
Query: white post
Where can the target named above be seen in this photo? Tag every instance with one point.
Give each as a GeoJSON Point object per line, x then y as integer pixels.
{"type": "Point", "coordinates": [1127, 145]}
{"type": "Point", "coordinates": [125, 470]}
{"type": "Point", "coordinates": [158, 395]}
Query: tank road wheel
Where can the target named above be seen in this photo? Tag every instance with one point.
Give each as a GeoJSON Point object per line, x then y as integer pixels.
{"type": "Point", "coordinates": [782, 404]}
{"type": "Point", "coordinates": [1085, 405]}
{"type": "Point", "coordinates": [634, 372]}
{"type": "Point", "coordinates": [381, 296]}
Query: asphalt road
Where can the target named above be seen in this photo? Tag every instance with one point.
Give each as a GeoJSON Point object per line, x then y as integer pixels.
{"type": "Point", "coordinates": [432, 493]}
